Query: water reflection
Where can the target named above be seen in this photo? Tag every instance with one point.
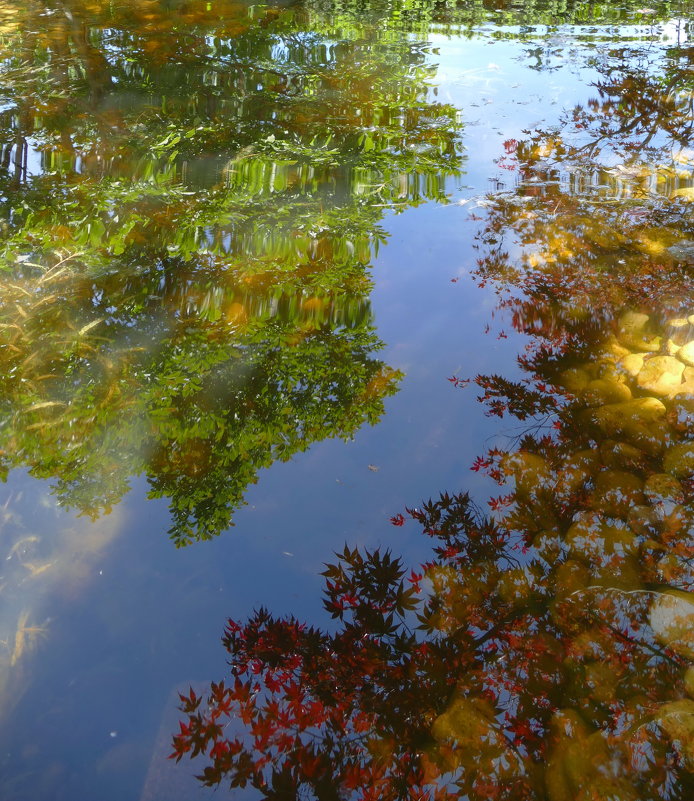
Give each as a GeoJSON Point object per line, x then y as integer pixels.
{"type": "Point", "coordinates": [546, 649]}
{"type": "Point", "coordinates": [187, 249]}
{"type": "Point", "coordinates": [45, 557]}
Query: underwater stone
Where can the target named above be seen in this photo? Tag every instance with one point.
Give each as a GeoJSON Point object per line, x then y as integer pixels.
{"type": "Point", "coordinates": [620, 455]}
{"type": "Point", "coordinates": [592, 537]}
{"type": "Point", "coordinates": [575, 471]}
{"type": "Point", "coordinates": [616, 491]}
{"type": "Point", "coordinates": [531, 472]}
{"type": "Point", "coordinates": [689, 681]}
{"type": "Point", "coordinates": [644, 521]}
{"type": "Point", "coordinates": [574, 379]}
{"type": "Point", "coordinates": [679, 460]}
{"type": "Point", "coordinates": [548, 545]}
{"type": "Point", "coordinates": [677, 720]}
{"type": "Point", "coordinates": [672, 621]}
{"type": "Point", "coordinates": [681, 414]}
{"type": "Point", "coordinates": [682, 251]}
{"type": "Point", "coordinates": [640, 422]}
{"type": "Point", "coordinates": [632, 363]}
{"type": "Point", "coordinates": [686, 353]}
{"type": "Point", "coordinates": [621, 572]}
{"type": "Point", "coordinates": [662, 487]}
{"type": "Point", "coordinates": [605, 390]}
{"type": "Point", "coordinates": [633, 333]}
{"type": "Point", "coordinates": [614, 349]}
{"type": "Point", "coordinates": [678, 322]}
{"type": "Point", "coordinates": [661, 375]}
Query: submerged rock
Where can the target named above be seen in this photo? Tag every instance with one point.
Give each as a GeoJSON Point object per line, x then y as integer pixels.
{"type": "Point", "coordinates": [681, 414]}
{"type": "Point", "coordinates": [672, 621]}
{"type": "Point", "coordinates": [593, 538]}
{"type": "Point", "coordinates": [621, 455]}
{"type": "Point", "coordinates": [606, 390]}
{"type": "Point", "coordinates": [634, 333]}
{"type": "Point", "coordinates": [661, 375]}
{"type": "Point", "coordinates": [682, 251]}
{"type": "Point", "coordinates": [616, 491]}
{"type": "Point", "coordinates": [633, 363]}
{"type": "Point", "coordinates": [677, 720]}
{"type": "Point", "coordinates": [686, 353]}
{"type": "Point", "coordinates": [661, 488]}
{"type": "Point", "coordinates": [640, 422]}
{"type": "Point", "coordinates": [679, 460]}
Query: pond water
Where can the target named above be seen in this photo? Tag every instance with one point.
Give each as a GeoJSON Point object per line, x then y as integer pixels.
{"type": "Point", "coordinates": [402, 288]}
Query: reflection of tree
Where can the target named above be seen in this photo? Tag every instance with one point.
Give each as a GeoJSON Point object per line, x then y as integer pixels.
{"type": "Point", "coordinates": [632, 138]}
{"type": "Point", "coordinates": [546, 650]}
{"type": "Point", "coordinates": [187, 285]}
{"type": "Point", "coordinates": [537, 655]}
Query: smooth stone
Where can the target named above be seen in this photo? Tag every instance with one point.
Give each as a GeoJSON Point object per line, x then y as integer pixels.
{"type": "Point", "coordinates": [575, 471]}
{"type": "Point", "coordinates": [639, 421]}
{"type": "Point", "coordinates": [574, 379]}
{"type": "Point", "coordinates": [672, 570]}
{"type": "Point", "coordinates": [677, 720]}
{"type": "Point", "coordinates": [614, 349]}
{"type": "Point", "coordinates": [515, 585]}
{"type": "Point", "coordinates": [689, 681]}
{"type": "Point", "coordinates": [465, 720]}
{"type": "Point", "coordinates": [633, 334]}
{"type": "Point", "coordinates": [592, 537]}
{"type": "Point", "coordinates": [682, 251]}
{"type": "Point", "coordinates": [632, 363]}
{"type": "Point", "coordinates": [621, 455]}
{"type": "Point", "coordinates": [662, 488]}
{"type": "Point", "coordinates": [604, 390]}
{"type": "Point", "coordinates": [548, 545]}
{"type": "Point", "coordinates": [644, 521]}
{"type": "Point", "coordinates": [530, 471]}
{"type": "Point", "coordinates": [679, 460]}
{"type": "Point", "coordinates": [572, 577]}
{"type": "Point", "coordinates": [661, 375]}
{"type": "Point", "coordinates": [616, 492]}
{"type": "Point", "coordinates": [621, 572]}
{"type": "Point", "coordinates": [672, 620]}
{"type": "Point", "coordinates": [687, 387]}
{"type": "Point", "coordinates": [686, 353]}
{"type": "Point", "coordinates": [681, 413]}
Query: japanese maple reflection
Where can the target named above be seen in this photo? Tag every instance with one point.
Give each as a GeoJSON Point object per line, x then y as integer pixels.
{"type": "Point", "coordinates": [544, 652]}
{"type": "Point", "coordinates": [187, 290]}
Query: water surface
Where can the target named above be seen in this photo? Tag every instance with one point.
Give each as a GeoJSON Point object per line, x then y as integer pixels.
{"type": "Point", "coordinates": [261, 263]}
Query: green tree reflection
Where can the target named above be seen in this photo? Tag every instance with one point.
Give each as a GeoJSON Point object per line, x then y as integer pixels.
{"type": "Point", "coordinates": [186, 275]}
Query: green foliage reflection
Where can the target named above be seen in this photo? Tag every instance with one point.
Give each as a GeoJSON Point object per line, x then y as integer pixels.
{"type": "Point", "coordinates": [186, 274]}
